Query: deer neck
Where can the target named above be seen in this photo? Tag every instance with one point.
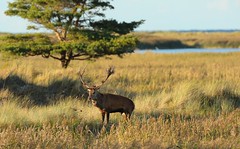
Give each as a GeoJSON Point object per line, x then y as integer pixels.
{"type": "Point", "coordinates": [100, 101]}
{"type": "Point", "coordinates": [99, 96]}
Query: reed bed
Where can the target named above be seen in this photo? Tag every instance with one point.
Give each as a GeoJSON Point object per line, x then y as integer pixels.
{"type": "Point", "coordinates": [182, 101]}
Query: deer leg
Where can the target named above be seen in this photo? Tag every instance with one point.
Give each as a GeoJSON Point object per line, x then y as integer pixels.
{"type": "Point", "coordinates": [103, 117]}
{"type": "Point", "coordinates": [108, 116]}
{"type": "Point", "coordinates": [126, 116]}
{"type": "Point", "coordinates": [129, 115]}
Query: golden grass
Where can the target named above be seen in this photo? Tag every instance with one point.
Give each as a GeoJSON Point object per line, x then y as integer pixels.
{"type": "Point", "coordinates": [182, 101]}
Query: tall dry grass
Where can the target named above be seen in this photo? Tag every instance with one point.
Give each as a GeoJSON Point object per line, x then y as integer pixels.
{"type": "Point", "coordinates": [182, 101]}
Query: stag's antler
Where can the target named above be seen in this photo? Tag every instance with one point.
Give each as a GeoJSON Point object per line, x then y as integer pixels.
{"type": "Point", "coordinates": [110, 71]}
{"type": "Point", "coordinates": [81, 77]}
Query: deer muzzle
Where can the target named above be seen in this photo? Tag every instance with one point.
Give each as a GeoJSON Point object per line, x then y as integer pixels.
{"type": "Point", "coordinates": [94, 102]}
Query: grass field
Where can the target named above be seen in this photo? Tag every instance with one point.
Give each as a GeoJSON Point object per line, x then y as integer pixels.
{"type": "Point", "coordinates": [182, 101]}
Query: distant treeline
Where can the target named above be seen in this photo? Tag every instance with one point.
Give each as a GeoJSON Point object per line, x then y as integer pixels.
{"type": "Point", "coordinates": [210, 30]}
{"type": "Point", "coordinates": [186, 39]}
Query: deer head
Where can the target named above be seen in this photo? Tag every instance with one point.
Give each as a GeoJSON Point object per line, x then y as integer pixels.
{"type": "Point", "coordinates": [92, 90]}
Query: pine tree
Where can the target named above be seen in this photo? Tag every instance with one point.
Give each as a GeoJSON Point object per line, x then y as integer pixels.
{"type": "Point", "coordinates": [80, 29]}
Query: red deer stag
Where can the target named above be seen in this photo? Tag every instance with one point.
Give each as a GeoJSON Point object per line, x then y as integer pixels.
{"type": "Point", "coordinates": [108, 103]}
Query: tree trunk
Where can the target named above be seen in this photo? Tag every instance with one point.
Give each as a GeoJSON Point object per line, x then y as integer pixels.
{"type": "Point", "coordinates": [65, 59]}
{"type": "Point", "coordinates": [65, 63]}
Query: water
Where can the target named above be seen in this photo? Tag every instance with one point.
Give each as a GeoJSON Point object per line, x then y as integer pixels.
{"type": "Point", "coordinates": [189, 50]}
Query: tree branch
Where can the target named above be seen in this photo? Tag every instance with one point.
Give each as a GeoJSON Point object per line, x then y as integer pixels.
{"type": "Point", "coordinates": [80, 54]}
{"type": "Point", "coordinates": [49, 55]}
{"type": "Point", "coordinates": [85, 58]}
{"type": "Point", "coordinates": [76, 56]}
{"type": "Point", "coordinates": [54, 57]}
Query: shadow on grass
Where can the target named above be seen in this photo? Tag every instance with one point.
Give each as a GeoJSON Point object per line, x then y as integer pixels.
{"type": "Point", "coordinates": [42, 95]}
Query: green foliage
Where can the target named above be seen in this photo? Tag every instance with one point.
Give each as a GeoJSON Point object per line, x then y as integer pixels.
{"type": "Point", "coordinates": [37, 44]}
{"type": "Point", "coordinates": [79, 26]}
{"type": "Point", "coordinates": [25, 44]}
{"type": "Point", "coordinates": [112, 26]}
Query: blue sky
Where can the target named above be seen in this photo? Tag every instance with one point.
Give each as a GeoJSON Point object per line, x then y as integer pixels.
{"type": "Point", "coordinates": [159, 15]}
